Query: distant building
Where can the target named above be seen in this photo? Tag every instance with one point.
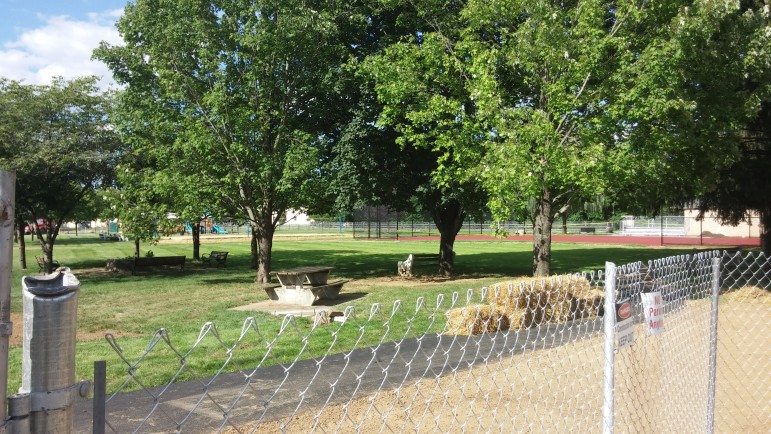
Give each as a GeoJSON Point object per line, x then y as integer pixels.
{"type": "Point", "coordinates": [297, 217]}
{"type": "Point", "coordinates": [711, 226]}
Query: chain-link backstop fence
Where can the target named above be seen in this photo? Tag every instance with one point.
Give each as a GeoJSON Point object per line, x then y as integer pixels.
{"type": "Point", "coordinates": [524, 356]}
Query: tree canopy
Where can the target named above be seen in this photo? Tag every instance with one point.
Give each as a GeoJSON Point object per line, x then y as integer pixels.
{"type": "Point", "coordinates": [595, 97]}
{"type": "Point", "coordinates": [532, 105]}
{"type": "Point", "coordinates": [237, 94]}
{"type": "Point", "coordinates": [58, 140]}
{"type": "Point", "coordinates": [420, 82]}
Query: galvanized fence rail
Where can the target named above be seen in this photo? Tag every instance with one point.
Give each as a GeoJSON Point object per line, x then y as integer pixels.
{"type": "Point", "coordinates": [529, 356]}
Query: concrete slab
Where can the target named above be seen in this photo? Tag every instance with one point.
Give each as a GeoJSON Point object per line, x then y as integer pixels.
{"type": "Point", "coordinates": [276, 308]}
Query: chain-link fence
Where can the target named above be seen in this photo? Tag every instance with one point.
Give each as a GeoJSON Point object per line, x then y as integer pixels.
{"type": "Point", "coordinates": [524, 356]}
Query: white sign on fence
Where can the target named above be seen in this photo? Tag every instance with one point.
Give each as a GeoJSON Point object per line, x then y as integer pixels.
{"type": "Point", "coordinates": [624, 329]}
{"type": "Point", "coordinates": [653, 306]}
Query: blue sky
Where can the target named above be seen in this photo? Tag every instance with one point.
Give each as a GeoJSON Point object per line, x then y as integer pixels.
{"type": "Point", "coordinates": [40, 39]}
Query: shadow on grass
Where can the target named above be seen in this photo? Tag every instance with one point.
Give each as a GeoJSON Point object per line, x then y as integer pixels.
{"type": "Point", "coordinates": [354, 264]}
{"type": "Point", "coordinates": [342, 299]}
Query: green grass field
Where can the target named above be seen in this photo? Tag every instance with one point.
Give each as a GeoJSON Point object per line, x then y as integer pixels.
{"type": "Point", "coordinates": [134, 307]}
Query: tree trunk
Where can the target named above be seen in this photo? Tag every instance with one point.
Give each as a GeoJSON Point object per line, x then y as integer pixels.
{"type": "Point", "coordinates": [449, 220]}
{"type": "Point", "coordinates": [542, 235]}
{"type": "Point", "coordinates": [564, 223]}
{"type": "Point", "coordinates": [22, 243]}
{"type": "Point", "coordinates": [255, 246]}
{"type": "Point", "coordinates": [765, 232]}
{"type": "Point", "coordinates": [136, 247]}
{"type": "Point", "coordinates": [264, 255]}
{"type": "Point", "coordinates": [47, 245]}
{"type": "Point", "coordinates": [197, 241]}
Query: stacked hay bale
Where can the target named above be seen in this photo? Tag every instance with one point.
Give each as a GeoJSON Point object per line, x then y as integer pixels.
{"type": "Point", "coordinates": [749, 293]}
{"type": "Point", "coordinates": [475, 319]}
{"type": "Point", "coordinates": [526, 302]}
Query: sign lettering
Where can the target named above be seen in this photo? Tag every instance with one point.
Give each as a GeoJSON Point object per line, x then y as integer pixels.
{"type": "Point", "coordinates": [653, 306]}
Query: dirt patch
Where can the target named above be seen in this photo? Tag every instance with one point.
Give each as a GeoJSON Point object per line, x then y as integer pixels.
{"type": "Point", "coordinates": [17, 337]}
{"type": "Point", "coordinates": [661, 385]}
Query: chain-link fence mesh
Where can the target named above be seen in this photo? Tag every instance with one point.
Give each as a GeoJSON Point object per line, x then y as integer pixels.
{"type": "Point", "coordinates": [523, 356]}
{"type": "Point", "coordinates": [662, 381]}
{"type": "Point", "coordinates": [743, 383]}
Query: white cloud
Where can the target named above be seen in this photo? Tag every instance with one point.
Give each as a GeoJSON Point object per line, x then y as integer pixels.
{"type": "Point", "coordinates": [63, 46]}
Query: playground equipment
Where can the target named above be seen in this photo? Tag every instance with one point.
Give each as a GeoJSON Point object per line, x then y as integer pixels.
{"type": "Point", "coordinates": [218, 230]}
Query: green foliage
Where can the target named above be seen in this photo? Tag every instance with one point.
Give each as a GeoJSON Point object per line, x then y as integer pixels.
{"type": "Point", "coordinates": [686, 99]}
{"type": "Point", "coordinates": [233, 96]}
{"type": "Point", "coordinates": [633, 101]}
{"type": "Point", "coordinates": [420, 84]}
{"type": "Point", "coordinates": [58, 140]}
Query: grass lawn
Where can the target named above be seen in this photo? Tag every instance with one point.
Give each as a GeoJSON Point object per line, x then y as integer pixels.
{"type": "Point", "coordinates": [133, 307]}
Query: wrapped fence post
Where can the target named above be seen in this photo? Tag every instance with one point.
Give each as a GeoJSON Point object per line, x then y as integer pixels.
{"type": "Point", "coordinates": [48, 357]}
{"type": "Point", "coordinates": [7, 212]}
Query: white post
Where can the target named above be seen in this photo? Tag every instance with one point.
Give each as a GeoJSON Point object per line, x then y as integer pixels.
{"type": "Point", "coordinates": [7, 207]}
{"type": "Point", "coordinates": [713, 345]}
{"type": "Point", "coordinates": [610, 343]}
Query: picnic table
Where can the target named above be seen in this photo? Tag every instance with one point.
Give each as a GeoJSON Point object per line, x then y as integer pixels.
{"type": "Point", "coordinates": [304, 285]}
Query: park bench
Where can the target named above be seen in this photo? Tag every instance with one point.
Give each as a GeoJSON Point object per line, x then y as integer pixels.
{"type": "Point", "coordinates": [157, 261]}
{"type": "Point", "coordinates": [217, 257]}
{"type": "Point", "coordinates": [404, 268]}
{"type": "Point", "coordinates": [42, 265]}
{"type": "Point", "coordinates": [587, 230]}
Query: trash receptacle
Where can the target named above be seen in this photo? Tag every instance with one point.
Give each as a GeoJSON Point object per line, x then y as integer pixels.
{"type": "Point", "coordinates": [48, 356]}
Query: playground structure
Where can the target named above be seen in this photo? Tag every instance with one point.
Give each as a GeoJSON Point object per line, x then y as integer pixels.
{"type": "Point", "coordinates": [207, 226]}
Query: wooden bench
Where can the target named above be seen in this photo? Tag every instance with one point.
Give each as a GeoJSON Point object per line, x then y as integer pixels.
{"type": "Point", "coordinates": [42, 265]}
{"type": "Point", "coordinates": [587, 230]}
{"type": "Point", "coordinates": [219, 258]}
{"type": "Point", "coordinates": [157, 261]}
{"type": "Point", "coordinates": [404, 268]}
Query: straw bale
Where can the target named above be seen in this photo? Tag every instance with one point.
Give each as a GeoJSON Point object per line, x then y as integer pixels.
{"type": "Point", "coordinates": [474, 320]}
{"type": "Point", "coordinates": [528, 302]}
{"type": "Point", "coordinates": [751, 293]}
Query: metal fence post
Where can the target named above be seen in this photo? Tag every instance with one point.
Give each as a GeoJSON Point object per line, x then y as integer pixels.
{"type": "Point", "coordinates": [7, 206]}
{"type": "Point", "coordinates": [609, 321]}
{"type": "Point", "coordinates": [713, 345]}
{"type": "Point", "coordinates": [100, 396]}
{"type": "Point", "coordinates": [48, 354]}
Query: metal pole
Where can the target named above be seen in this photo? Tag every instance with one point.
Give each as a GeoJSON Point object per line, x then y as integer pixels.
{"type": "Point", "coordinates": [7, 207]}
{"type": "Point", "coordinates": [610, 342]}
{"type": "Point", "coordinates": [100, 396]}
{"type": "Point", "coordinates": [48, 353]}
{"type": "Point", "coordinates": [662, 229]}
{"type": "Point", "coordinates": [713, 345]}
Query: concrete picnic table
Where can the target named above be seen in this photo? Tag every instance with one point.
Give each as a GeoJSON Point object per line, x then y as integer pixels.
{"type": "Point", "coordinates": [300, 276]}
{"type": "Point", "coordinates": [304, 286]}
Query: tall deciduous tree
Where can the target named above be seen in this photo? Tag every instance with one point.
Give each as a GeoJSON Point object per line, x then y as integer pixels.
{"type": "Point", "coordinates": [420, 81]}
{"type": "Point", "coordinates": [590, 96]}
{"type": "Point", "coordinates": [57, 139]}
{"type": "Point", "coordinates": [686, 101]}
{"type": "Point", "coordinates": [727, 50]}
{"type": "Point", "coordinates": [242, 88]}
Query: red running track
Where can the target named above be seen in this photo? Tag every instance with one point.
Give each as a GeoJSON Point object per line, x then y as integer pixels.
{"type": "Point", "coordinates": [619, 239]}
